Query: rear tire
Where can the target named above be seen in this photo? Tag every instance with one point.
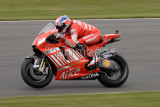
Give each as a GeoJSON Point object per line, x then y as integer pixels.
{"type": "Point", "coordinates": [33, 80]}
{"type": "Point", "coordinates": [105, 76]}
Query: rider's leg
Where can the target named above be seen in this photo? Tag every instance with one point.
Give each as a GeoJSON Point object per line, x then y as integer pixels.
{"type": "Point", "coordinates": [90, 40]}
{"type": "Point", "coordinates": [95, 59]}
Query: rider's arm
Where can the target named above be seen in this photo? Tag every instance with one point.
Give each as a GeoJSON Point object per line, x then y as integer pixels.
{"type": "Point", "coordinates": [73, 41]}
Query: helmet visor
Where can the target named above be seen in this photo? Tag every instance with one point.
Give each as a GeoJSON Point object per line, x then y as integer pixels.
{"type": "Point", "coordinates": [60, 28]}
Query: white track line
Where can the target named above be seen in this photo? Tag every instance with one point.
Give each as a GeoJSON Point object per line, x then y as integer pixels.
{"type": "Point", "coordinates": [72, 94]}
{"type": "Point", "coordinates": [84, 19]}
{"type": "Point", "coordinates": [126, 19]}
{"type": "Point", "coordinates": [27, 21]}
{"type": "Point", "coordinates": [103, 93]}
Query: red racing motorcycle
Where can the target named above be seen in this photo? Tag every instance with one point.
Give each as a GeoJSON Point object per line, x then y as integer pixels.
{"type": "Point", "coordinates": [52, 58]}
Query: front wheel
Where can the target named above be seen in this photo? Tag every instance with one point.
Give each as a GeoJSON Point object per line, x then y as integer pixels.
{"type": "Point", "coordinates": [116, 78]}
{"type": "Point", "coordinates": [31, 77]}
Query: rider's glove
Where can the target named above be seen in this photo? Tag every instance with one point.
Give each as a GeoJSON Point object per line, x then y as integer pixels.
{"type": "Point", "coordinates": [58, 36]}
{"type": "Point", "coordinates": [63, 39]}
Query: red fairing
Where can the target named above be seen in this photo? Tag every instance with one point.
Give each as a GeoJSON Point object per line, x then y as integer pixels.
{"type": "Point", "coordinates": [70, 64]}
{"type": "Point", "coordinates": [106, 39]}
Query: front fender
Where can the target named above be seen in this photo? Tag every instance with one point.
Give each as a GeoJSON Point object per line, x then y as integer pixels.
{"type": "Point", "coordinates": [32, 56]}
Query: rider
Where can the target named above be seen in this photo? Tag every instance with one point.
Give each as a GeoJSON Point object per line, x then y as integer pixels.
{"type": "Point", "coordinates": [81, 33]}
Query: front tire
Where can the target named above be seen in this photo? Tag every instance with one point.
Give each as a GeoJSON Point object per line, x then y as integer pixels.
{"type": "Point", "coordinates": [33, 80]}
{"type": "Point", "coordinates": [105, 77]}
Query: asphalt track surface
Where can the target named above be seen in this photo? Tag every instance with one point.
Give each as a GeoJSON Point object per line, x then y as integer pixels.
{"type": "Point", "coordinates": [140, 45]}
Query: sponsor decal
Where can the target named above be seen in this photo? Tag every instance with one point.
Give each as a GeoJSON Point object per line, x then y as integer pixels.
{"type": "Point", "coordinates": [107, 40]}
{"type": "Point", "coordinates": [51, 50]}
{"type": "Point", "coordinates": [49, 47]}
{"type": "Point", "coordinates": [90, 76]}
{"type": "Point", "coordinates": [90, 27]}
{"type": "Point", "coordinates": [106, 63]}
{"type": "Point", "coordinates": [85, 26]}
{"type": "Point", "coordinates": [73, 30]}
{"type": "Point", "coordinates": [70, 73]}
{"type": "Point", "coordinates": [91, 39]}
{"type": "Point", "coordinates": [77, 21]}
{"type": "Point", "coordinates": [58, 58]}
{"type": "Point", "coordinates": [87, 36]}
{"type": "Point", "coordinates": [41, 40]}
{"type": "Point", "coordinates": [74, 37]}
{"type": "Point", "coordinates": [71, 65]}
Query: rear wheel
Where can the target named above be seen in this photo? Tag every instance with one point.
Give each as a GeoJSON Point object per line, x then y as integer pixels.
{"type": "Point", "coordinates": [115, 78]}
{"type": "Point", "coordinates": [32, 77]}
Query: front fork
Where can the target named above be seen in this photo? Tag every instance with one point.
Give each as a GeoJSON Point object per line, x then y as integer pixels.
{"type": "Point", "coordinates": [40, 65]}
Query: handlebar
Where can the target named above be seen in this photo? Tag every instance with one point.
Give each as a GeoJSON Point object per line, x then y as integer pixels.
{"type": "Point", "coordinates": [52, 39]}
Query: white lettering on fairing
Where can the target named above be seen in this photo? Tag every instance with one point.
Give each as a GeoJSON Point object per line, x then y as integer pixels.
{"type": "Point", "coordinates": [70, 73]}
{"type": "Point", "coordinates": [92, 39]}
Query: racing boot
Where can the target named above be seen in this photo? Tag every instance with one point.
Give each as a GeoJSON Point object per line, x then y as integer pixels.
{"type": "Point", "coordinates": [95, 60]}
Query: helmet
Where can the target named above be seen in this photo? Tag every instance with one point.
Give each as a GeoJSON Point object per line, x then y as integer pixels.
{"type": "Point", "coordinates": [62, 23]}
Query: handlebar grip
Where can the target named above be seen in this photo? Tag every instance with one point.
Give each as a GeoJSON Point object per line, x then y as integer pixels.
{"type": "Point", "coordinates": [117, 31]}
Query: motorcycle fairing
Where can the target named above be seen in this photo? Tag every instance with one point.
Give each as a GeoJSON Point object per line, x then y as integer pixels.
{"type": "Point", "coordinates": [106, 39]}
{"type": "Point", "coordinates": [70, 65]}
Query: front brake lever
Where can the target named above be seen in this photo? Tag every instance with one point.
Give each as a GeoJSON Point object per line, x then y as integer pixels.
{"type": "Point", "coordinates": [116, 32]}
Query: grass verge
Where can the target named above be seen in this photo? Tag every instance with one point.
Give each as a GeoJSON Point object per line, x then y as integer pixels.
{"type": "Point", "coordinates": [51, 9]}
{"type": "Point", "coordinates": [135, 99]}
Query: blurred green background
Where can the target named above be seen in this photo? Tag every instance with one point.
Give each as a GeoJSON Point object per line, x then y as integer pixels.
{"type": "Point", "coordinates": [136, 99]}
{"type": "Point", "coordinates": [51, 9]}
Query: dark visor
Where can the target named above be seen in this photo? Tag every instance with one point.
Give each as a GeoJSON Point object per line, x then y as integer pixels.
{"type": "Point", "coordinates": [60, 28]}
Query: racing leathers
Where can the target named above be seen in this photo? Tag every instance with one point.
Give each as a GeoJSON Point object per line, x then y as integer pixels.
{"type": "Point", "coordinates": [82, 33]}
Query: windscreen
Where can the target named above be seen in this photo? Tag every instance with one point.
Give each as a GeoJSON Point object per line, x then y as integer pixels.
{"type": "Point", "coordinates": [49, 26]}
